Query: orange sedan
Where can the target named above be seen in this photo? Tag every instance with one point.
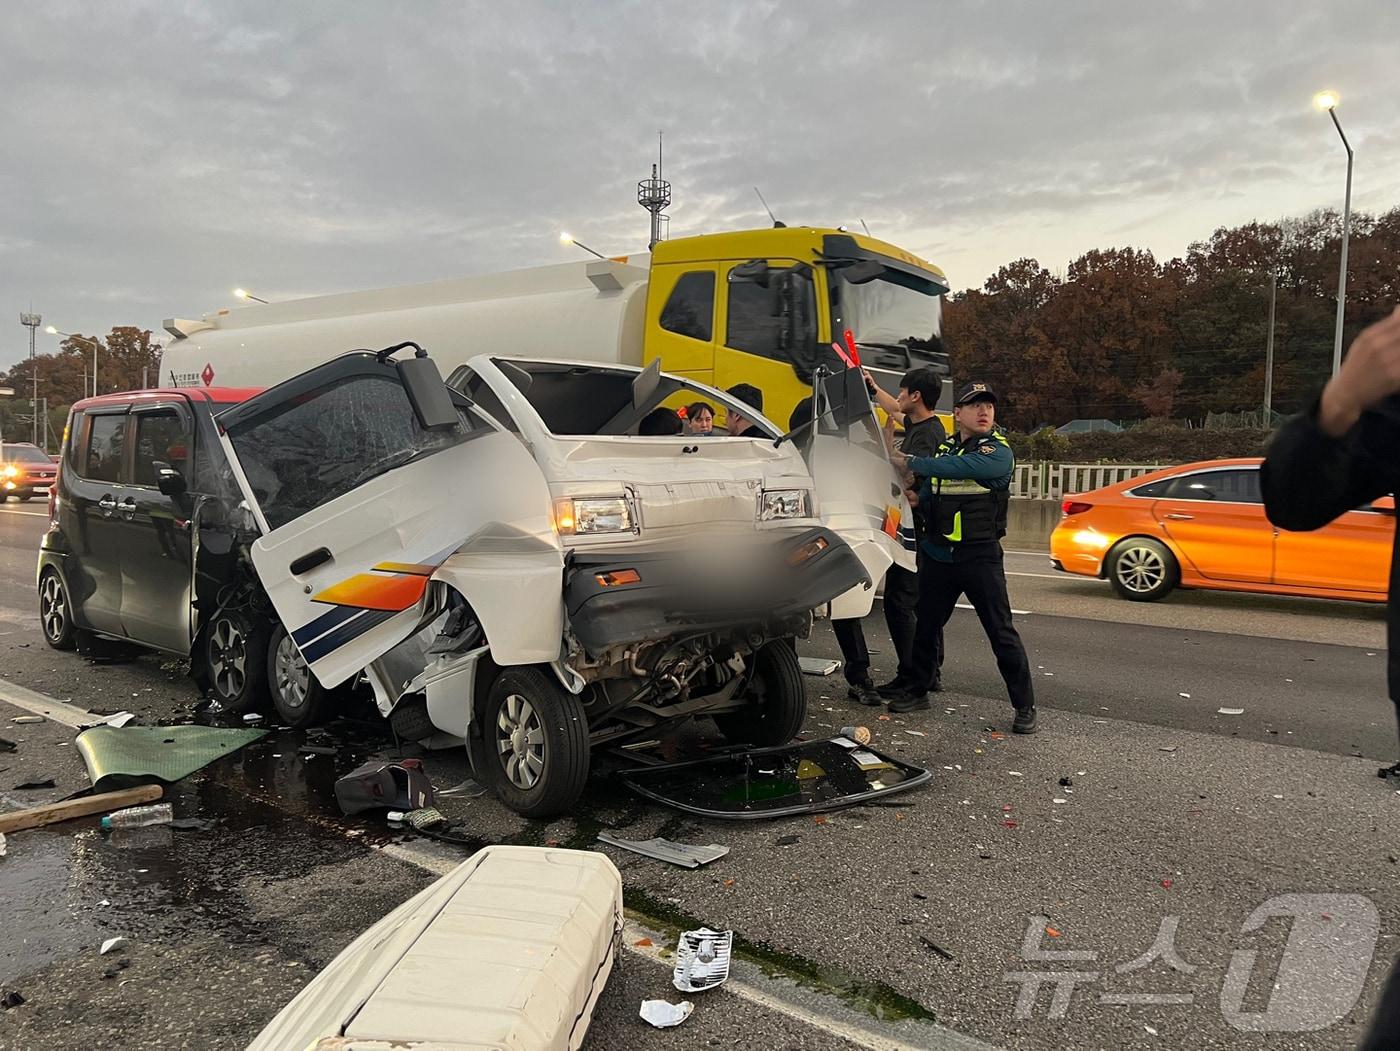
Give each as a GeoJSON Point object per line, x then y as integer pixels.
{"type": "Point", "coordinates": [1202, 525]}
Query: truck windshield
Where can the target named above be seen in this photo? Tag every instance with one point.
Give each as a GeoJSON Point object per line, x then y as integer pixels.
{"type": "Point", "coordinates": [897, 326]}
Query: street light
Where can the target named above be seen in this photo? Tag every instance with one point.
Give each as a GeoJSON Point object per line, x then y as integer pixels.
{"type": "Point", "coordinates": [244, 294]}
{"type": "Point", "coordinates": [85, 339]}
{"type": "Point", "coordinates": [568, 239]}
{"type": "Point", "coordinates": [1327, 100]}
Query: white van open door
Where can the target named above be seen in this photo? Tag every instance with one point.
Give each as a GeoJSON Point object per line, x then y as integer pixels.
{"type": "Point", "coordinates": [859, 493]}
{"type": "Point", "coordinates": [364, 479]}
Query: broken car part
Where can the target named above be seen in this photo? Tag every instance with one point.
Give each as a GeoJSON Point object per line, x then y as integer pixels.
{"type": "Point", "coordinates": [802, 778]}
{"type": "Point", "coordinates": [702, 959]}
{"type": "Point", "coordinates": [510, 949]}
{"type": "Point", "coordinates": [687, 855]}
{"type": "Point", "coordinates": [392, 786]}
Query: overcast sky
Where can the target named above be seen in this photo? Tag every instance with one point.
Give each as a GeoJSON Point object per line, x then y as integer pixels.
{"type": "Point", "coordinates": [158, 154]}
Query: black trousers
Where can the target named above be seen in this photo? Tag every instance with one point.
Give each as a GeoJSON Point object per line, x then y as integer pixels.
{"type": "Point", "coordinates": [901, 614]}
{"type": "Point", "coordinates": [1385, 1023]}
{"type": "Point", "coordinates": [854, 653]}
{"type": "Point", "coordinates": [980, 576]}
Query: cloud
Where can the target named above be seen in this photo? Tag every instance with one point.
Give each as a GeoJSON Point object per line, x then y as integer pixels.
{"type": "Point", "coordinates": [161, 153]}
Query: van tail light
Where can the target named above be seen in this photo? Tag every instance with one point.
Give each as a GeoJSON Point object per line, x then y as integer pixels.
{"type": "Point", "coordinates": [1074, 507]}
{"type": "Point", "coordinates": [53, 494]}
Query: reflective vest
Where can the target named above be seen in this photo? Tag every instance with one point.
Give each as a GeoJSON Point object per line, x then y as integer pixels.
{"type": "Point", "coordinates": [966, 511]}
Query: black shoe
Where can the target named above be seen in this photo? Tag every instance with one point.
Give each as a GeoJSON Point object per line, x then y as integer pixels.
{"type": "Point", "coordinates": [893, 688]}
{"type": "Point", "coordinates": [1025, 721]}
{"type": "Point", "coordinates": [909, 702]}
{"type": "Point", "coordinates": [865, 694]}
{"type": "Point", "coordinates": [936, 686]}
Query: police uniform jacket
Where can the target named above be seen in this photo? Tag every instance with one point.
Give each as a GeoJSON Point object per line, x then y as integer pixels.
{"type": "Point", "coordinates": [965, 493]}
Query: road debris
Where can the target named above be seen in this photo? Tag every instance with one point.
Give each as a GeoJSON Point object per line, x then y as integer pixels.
{"type": "Point", "coordinates": [858, 734]}
{"type": "Point", "coordinates": [1186, 695]}
{"type": "Point", "coordinates": [10, 998]}
{"type": "Point", "coordinates": [1229, 711]}
{"type": "Point", "coordinates": [27, 720]}
{"type": "Point", "coordinates": [7, 745]}
{"type": "Point", "coordinates": [468, 789]}
{"type": "Point", "coordinates": [1015, 773]}
{"type": "Point", "coordinates": [916, 733]}
{"type": "Point", "coordinates": [139, 817]}
{"type": "Point", "coordinates": [687, 855]}
{"type": "Point", "coordinates": [702, 959]}
{"type": "Point", "coordinates": [1065, 782]}
{"type": "Point", "coordinates": [818, 666]}
{"type": "Point", "coordinates": [30, 786]}
{"type": "Point", "coordinates": [663, 1014]}
{"type": "Point", "coordinates": [786, 841]}
{"type": "Point", "coordinates": [2, 844]}
{"type": "Point", "coordinates": [84, 806]}
{"type": "Point", "coordinates": [117, 757]}
{"type": "Point", "coordinates": [112, 945]}
{"type": "Point", "coordinates": [936, 948]}
{"type": "Point", "coordinates": [390, 786]}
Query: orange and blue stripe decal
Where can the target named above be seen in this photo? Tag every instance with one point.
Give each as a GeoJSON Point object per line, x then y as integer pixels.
{"type": "Point", "coordinates": [364, 601]}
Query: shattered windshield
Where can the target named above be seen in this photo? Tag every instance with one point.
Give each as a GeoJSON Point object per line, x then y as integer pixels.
{"type": "Point", "coordinates": [316, 447]}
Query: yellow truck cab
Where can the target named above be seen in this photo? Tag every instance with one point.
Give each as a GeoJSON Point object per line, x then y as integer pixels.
{"type": "Point", "coordinates": [752, 306]}
{"type": "Point", "coordinates": [764, 306]}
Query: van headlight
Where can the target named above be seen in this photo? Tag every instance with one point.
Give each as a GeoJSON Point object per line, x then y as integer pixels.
{"type": "Point", "coordinates": [586, 516]}
{"type": "Point", "coordinates": [774, 504]}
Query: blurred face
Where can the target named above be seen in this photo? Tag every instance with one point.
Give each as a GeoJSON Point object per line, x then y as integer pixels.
{"type": "Point", "coordinates": [907, 402]}
{"type": "Point", "coordinates": [976, 417]}
{"type": "Point", "coordinates": [703, 422]}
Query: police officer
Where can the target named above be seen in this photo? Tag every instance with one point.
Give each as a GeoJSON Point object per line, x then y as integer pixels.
{"type": "Point", "coordinates": [964, 495]}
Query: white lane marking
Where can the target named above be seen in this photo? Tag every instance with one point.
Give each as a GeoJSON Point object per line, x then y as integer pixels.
{"type": "Point", "coordinates": [16, 511]}
{"type": "Point", "coordinates": [1017, 612]}
{"type": "Point", "coordinates": [57, 711]}
{"type": "Point", "coordinates": [1036, 554]}
{"type": "Point", "coordinates": [1048, 576]}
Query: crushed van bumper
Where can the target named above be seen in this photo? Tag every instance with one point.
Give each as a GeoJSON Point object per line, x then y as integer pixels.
{"type": "Point", "coordinates": [617, 599]}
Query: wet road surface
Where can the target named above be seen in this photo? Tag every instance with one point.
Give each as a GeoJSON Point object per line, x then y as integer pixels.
{"type": "Point", "coordinates": [1172, 810]}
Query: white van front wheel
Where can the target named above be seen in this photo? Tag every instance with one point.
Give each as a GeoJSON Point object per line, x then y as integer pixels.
{"type": "Point", "coordinates": [534, 747]}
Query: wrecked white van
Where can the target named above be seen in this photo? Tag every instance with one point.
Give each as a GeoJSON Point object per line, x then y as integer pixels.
{"type": "Point", "coordinates": [508, 560]}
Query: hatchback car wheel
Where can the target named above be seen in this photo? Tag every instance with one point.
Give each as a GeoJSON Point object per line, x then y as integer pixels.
{"type": "Point", "coordinates": [534, 745]}
{"type": "Point", "coordinates": [235, 658]}
{"type": "Point", "coordinates": [55, 616]}
{"type": "Point", "coordinates": [1142, 569]}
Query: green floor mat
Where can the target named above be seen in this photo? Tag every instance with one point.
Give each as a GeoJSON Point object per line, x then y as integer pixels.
{"type": "Point", "coordinates": [119, 757]}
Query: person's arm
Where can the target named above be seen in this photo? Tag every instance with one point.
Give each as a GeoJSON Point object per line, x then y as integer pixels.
{"type": "Point", "coordinates": [1321, 464]}
{"type": "Point", "coordinates": [988, 462]}
{"type": "Point", "coordinates": [883, 398]}
{"type": "Point", "coordinates": [1309, 477]}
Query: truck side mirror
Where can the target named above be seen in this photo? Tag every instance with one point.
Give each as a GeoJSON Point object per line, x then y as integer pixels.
{"type": "Point", "coordinates": [755, 270]}
{"type": "Point", "coordinates": [169, 481]}
{"type": "Point", "coordinates": [429, 396]}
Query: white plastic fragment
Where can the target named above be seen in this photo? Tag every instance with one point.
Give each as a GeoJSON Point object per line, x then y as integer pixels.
{"type": "Point", "coordinates": [111, 945]}
{"type": "Point", "coordinates": [1186, 695]}
{"type": "Point", "coordinates": [2, 844]}
{"type": "Point", "coordinates": [663, 1014]}
{"type": "Point", "coordinates": [1015, 773]}
{"type": "Point", "coordinates": [702, 959]}
{"type": "Point", "coordinates": [1057, 799]}
{"type": "Point", "coordinates": [25, 720]}
{"type": "Point", "coordinates": [916, 733]}
{"type": "Point", "coordinates": [1230, 711]}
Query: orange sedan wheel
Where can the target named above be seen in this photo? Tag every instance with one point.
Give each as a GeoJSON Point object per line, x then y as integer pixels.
{"type": "Point", "coordinates": [1142, 569]}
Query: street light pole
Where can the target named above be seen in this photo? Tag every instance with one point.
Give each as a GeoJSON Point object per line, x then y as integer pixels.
{"type": "Point", "coordinates": [1269, 354]}
{"type": "Point", "coordinates": [85, 339]}
{"type": "Point", "coordinates": [1328, 100]}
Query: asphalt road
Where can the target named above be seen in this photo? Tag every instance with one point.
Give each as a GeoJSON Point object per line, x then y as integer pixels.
{"type": "Point", "coordinates": [1173, 811]}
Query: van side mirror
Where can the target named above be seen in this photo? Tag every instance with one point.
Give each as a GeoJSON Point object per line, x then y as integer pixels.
{"type": "Point", "coordinates": [169, 481]}
{"type": "Point", "coordinates": [429, 396]}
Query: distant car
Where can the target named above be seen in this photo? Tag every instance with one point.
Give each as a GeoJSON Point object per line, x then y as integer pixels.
{"type": "Point", "coordinates": [26, 471]}
{"type": "Point", "coordinates": [1202, 525]}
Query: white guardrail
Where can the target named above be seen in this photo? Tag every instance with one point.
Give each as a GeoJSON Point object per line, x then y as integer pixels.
{"type": "Point", "coordinates": [1054, 481]}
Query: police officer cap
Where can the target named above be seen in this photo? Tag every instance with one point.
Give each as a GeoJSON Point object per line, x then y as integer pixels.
{"type": "Point", "coordinates": [976, 392]}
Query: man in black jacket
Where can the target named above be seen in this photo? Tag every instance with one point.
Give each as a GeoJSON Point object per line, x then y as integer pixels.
{"type": "Point", "coordinates": [1342, 453]}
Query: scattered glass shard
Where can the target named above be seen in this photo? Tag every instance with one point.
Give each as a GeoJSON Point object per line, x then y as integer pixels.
{"type": "Point", "coordinates": [687, 855]}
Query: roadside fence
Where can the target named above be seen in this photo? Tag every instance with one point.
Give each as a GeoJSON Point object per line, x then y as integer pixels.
{"type": "Point", "coordinates": [1052, 481]}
